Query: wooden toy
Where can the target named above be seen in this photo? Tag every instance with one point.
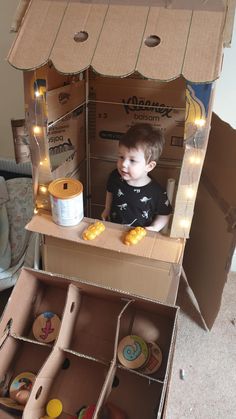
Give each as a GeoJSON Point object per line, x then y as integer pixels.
{"type": "Point", "coordinates": [46, 327]}
{"type": "Point", "coordinates": [22, 396]}
{"type": "Point", "coordinates": [23, 381]}
{"type": "Point", "coordinates": [133, 352]}
{"type": "Point", "coordinates": [93, 230]}
{"type": "Point", "coordinates": [155, 359]}
{"type": "Point", "coordinates": [134, 236]}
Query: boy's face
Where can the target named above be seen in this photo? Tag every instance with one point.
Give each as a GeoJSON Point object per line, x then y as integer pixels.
{"type": "Point", "coordinates": [132, 165]}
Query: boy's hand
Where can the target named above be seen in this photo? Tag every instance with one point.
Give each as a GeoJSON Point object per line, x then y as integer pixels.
{"type": "Point", "coordinates": [105, 215]}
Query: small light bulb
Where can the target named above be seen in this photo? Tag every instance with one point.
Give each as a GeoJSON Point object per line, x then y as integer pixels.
{"type": "Point", "coordinates": [190, 192]}
{"type": "Point", "coordinates": [194, 160]}
{"type": "Point", "coordinates": [184, 223]}
{"type": "Point", "coordinates": [41, 163]}
{"type": "Point", "coordinates": [36, 129]}
{"type": "Point", "coordinates": [35, 211]}
{"type": "Point", "coordinates": [37, 93]}
{"type": "Point", "coordinates": [200, 122]}
{"type": "Point", "coordinates": [43, 188]}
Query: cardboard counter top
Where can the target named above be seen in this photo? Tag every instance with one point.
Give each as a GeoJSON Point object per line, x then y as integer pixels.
{"type": "Point", "coordinates": [153, 246]}
{"type": "Point", "coordinates": [150, 268]}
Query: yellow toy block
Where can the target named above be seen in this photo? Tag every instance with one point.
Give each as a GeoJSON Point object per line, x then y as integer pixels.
{"type": "Point", "coordinates": [134, 236]}
{"type": "Point", "coordinates": [93, 230]}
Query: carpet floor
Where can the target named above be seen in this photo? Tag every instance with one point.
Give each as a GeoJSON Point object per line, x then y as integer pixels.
{"type": "Point", "coordinates": [203, 380]}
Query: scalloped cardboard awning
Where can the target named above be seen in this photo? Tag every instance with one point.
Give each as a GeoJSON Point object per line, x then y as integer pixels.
{"type": "Point", "coordinates": [117, 39]}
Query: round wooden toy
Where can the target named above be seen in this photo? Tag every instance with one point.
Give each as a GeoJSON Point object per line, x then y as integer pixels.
{"type": "Point", "coordinates": [22, 396]}
{"type": "Point", "coordinates": [23, 381]}
{"type": "Point", "coordinates": [133, 352]}
{"type": "Point", "coordinates": [46, 327]}
{"type": "Point", "coordinates": [155, 359]}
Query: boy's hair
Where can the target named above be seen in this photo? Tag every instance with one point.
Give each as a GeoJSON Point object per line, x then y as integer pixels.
{"type": "Point", "coordinates": [150, 139]}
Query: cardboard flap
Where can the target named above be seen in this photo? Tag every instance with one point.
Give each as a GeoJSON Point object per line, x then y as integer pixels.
{"type": "Point", "coordinates": [114, 38]}
{"type": "Point", "coordinates": [209, 250]}
{"type": "Point", "coordinates": [219, 170]}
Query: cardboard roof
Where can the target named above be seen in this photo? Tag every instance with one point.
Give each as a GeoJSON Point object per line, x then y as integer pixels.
{"type": "Point", "coordinates": [192, 35]}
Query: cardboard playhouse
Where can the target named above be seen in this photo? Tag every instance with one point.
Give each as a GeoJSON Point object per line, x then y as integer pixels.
{"type": "Point", "coordinates": [91, 70]}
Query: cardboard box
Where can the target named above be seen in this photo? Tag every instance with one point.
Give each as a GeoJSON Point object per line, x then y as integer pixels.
{"type": "Point", "coordinates": [66, 142]}
{"type": "Point", "coordinates": [65, 99]}
{"type": "Point", "coordinates": [151, 268]}
{"type": "Point", "coordinates": [187, 45]}
{"type": "Point", "coordinates": [93, 321]}
{"type": "Point", "coordinates": [117, 104]}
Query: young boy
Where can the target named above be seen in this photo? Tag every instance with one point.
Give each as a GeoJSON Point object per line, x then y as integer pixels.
{"type": "Point", "coordinates": [133, 197]}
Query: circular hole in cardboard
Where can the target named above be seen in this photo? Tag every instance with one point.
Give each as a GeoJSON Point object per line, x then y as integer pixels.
{"type": "Point", "coordinates": [72, 307]}
{"type": "Point", "coordinates": [152, 41]}
{"type": "Point", "coordinates": [39, 391]}
{"type": "Point", "coordinates": [81, 36]}
{"type": "Point", "coordinates": [66, 364]}
{"type": "Point", "coordinates": [116, 382]}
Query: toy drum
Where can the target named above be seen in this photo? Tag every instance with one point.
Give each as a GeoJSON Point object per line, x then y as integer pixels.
{"type": "Point", "coordinates": [66, 197]}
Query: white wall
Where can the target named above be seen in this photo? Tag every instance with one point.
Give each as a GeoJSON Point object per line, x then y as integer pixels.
{"type": "Point", "coordinates": [11, 81]}
{"type": "Point", "coordinates": [224, 104]}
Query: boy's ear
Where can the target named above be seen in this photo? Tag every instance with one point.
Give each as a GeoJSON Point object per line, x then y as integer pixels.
{"type": "Point", "coordinates": [151, 165]}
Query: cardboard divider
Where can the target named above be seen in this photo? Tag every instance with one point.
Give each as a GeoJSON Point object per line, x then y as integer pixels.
{"type": "Point", "coordinates": [69, 317]}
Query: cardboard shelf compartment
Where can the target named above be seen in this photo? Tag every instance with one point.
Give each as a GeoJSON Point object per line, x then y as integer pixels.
{"type": "Point", "coordinates": [80, 367]}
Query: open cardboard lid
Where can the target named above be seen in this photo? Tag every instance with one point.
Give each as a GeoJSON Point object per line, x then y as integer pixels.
{"type": "Point", "coordinates": [209, 251]}
{"type": "Point", "coordinates": [118, 39]}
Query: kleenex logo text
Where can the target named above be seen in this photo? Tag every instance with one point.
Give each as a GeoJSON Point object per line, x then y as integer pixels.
{"type": "Point", "coordinates": [134, 104]}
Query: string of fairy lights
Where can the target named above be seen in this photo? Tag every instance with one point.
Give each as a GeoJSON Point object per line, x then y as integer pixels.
{"type": "Point", "coordinates": [195, 139]}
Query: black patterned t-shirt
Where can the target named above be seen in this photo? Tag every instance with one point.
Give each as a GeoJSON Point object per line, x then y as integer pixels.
{"type": "Point", "coordinates": [136, 206]}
